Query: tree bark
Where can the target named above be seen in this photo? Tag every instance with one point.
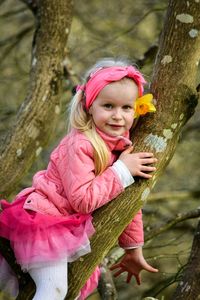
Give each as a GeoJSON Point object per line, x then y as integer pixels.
{"type": "Point", "coordinates": [174, 88]}
{"type": "Point", "coordinates": [38, 114]}
{"type": "Point", "coordinates": [189, 285]}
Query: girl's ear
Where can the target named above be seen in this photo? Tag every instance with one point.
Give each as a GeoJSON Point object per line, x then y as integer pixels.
{"type": "Point", "coordinates": [90, 110]}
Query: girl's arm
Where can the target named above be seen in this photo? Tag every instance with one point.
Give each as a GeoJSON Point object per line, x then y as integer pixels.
{"type": "Point", "coordinates": [85, 191]}
{"type": "Point", "coordinates": [133, 235]}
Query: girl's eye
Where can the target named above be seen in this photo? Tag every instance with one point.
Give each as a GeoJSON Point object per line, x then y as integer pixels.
{"type": "Point", "coordinates": [127, 107]}
{"type": "Point", "coordinates": [108, 105]}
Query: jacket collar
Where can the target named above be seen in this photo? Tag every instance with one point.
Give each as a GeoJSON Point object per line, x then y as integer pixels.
{"type": "Point", "coordinates": [115, 143]}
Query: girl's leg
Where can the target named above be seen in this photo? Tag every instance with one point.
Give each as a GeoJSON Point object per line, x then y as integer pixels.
{"type": "Point", "coordinates": [8, 280]}
{"type": "Point", "coordinates": [51, 281]}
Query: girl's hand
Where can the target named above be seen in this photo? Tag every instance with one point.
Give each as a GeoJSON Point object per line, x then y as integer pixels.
{"type": "Point", "coordinates": [133, 262]}
{"type": "Point", "coordinates": [137, 163]}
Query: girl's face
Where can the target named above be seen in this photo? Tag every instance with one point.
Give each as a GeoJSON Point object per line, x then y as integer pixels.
{"type": "Point", "coordinates": [113, 109]}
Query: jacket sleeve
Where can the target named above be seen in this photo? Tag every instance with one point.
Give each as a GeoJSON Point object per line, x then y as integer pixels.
{"type": "Point", "coordinates": [133, 235]}
{"type": "Point", "coordinates": [85, 191]}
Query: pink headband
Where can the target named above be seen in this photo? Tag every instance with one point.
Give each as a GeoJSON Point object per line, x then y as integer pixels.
{"type": "Point", "coordinates": [103, 76]}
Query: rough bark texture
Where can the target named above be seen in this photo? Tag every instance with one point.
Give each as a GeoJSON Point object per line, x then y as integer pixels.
{"type": "Point", "coordinates": [106, 286]}
{"type": "Point", "coordinates": [37, 116]}
{"type": "Point", "coordinates": [174, 87]}
{"type": "Point", "coordinates": [189, 286]}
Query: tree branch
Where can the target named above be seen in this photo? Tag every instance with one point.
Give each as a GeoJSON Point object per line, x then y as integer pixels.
{"type": "Point", "coordinates": [38, 114]}
{"type": "Point", "coordinates": [175, 195]}
{"type": "Point", "coordinates": [189, 285]}
{"type": "Point", "coordinates": [172, 222]}
{"type": "Point", "coordinates": [172, 80]}
{"type": "Point", "coordinates": [12, 41]}
{"type": "Point", "coordinates": [124, 31]}
{"type": "Point", "coordinates": [106, 286]}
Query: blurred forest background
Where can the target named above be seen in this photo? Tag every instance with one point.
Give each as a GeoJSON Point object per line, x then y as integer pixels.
{"type": "Point", "coordinates": [99, 29]}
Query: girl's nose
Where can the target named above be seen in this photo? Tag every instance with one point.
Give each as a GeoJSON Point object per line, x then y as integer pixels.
{"type": "Point", "coordinates": [117, 114]}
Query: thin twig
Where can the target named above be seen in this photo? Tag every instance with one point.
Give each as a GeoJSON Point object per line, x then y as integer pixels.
{"type": "Point", "coordinates": [123, 32]}
{"type": "Point", "coordinates": [175, 195]}
{"type": "Point", "coordinates": [172, 222]}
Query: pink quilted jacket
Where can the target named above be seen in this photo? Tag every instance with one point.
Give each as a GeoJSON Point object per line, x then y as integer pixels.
{"type": "Point", "coordinates": [69, 184]}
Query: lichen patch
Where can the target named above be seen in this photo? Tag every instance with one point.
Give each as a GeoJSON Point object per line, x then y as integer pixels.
{"type": "Point", "coordinates": [185, 18]}
{"type": "Point", "coordinates": [32, 131]}
{"type": "Point", "coordinates": [166, 60]}
{"type": "Point", "coordinates": [174, 125]}
{"type": "Point", "coordinates": [167, 134]}
{"type": "Point", "coordinates": [44, 98]}
{"type": "Point", "coordinates": [57, 109]}
{"type": "Point", "coordinates": [193, 33]}
{"type": "Point", "coordinates": [145, 194]}
{"type": "Point", "coordinates": [181, 117]}
{"type": "Point", "coordinates": [38, 151]}
{"type": "Point", "coordinates": [34, 61]}
{"type": "Point", "coordinates": [19, 152]}
{"type": "Point", "coordinates": [156, 142]}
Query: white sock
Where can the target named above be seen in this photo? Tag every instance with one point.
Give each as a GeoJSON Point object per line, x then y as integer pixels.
{"type": "Point", "coordinates": [51, 281]}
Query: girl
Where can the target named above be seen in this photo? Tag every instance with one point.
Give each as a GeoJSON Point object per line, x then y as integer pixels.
{"type": "Point", "coordinates": [50, 223]}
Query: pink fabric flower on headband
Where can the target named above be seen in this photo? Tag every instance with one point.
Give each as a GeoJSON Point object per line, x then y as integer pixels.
{"type": "Point", "coordinates": [103, 76]}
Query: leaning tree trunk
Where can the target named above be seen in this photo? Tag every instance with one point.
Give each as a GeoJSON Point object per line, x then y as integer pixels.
{"type": "Point", "coordinates": [174, 88]}
{"type": "Point", "coordinates": [189, 285]}
{"type": "Point", "coordinates": [38, 113]}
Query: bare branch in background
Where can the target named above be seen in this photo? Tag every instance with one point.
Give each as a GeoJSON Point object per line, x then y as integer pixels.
{"type": "Point", "coordinates": [106, 286]}
{"type": "Point", "coordinates": [11, 42]}
{"type": "Point", "coordinates": [174, 195]}
{"type": "Point", "coordinates": [189, 284]}
{"type": "Point", "coordinates": [148, 57]}
{"type": "Point", "coordinates": [14, 12]}
{"type": "Point", "coordinates": [32, 5]}
{"type": "Point", "coordinates": [172, 222]}
{"type": "Point", "coordinates": [123, 32]}
{"type": "Point", "coordinates": [2, 1]}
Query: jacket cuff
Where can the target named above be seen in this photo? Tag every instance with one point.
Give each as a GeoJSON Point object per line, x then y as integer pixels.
{"type": "Point", "coordinates": [133, 247]}
{"type": "Point", "coordinates": [123, 173]}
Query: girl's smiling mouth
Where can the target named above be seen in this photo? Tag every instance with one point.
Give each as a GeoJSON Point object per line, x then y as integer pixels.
{"type": "Point", "coordinates": [115, 125]}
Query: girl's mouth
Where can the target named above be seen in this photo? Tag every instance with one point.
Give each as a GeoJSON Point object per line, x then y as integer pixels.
{"type": "Point", "coordinates": [115, 126]}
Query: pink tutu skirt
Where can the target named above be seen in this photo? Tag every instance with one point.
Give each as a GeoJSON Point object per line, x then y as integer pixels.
{"type": "Point", "coordinates": [38, 239]}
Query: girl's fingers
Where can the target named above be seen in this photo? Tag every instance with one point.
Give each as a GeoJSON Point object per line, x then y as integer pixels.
{"type": "Point", "coordinates": [129, 276]}
{"type": "Point", "coordinates": [113, 267]}
{"type": "Point", "coordinates": [147, 169]}
{"type": "Point", "coordinates": [145, 154]}
{"type": "Point", "coordinates": [118, 273]}
{"type": "Point", "coordinates": [138, 279]}
{"type": "Point", "coordinates": [144, 175]}
{"type": "Point", "coordinates": [151, 269]}
{"type": "Point", "coordinates": [147, 161]}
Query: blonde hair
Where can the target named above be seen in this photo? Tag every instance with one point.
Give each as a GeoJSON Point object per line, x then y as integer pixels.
{"type": "Point", "coordinates": [80, 119]}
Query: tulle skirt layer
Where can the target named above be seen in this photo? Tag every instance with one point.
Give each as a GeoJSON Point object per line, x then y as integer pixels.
{"type": "Point", "coordinates": [38, 239]}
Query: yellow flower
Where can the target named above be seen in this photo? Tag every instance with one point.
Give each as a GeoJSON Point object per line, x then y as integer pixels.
{"type": "Point", "coordinates": [144, 105]}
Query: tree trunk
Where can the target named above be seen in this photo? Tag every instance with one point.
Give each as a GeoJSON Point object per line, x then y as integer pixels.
{"type": "Point", "coordinates": [189, 286]}
{"type": "Point", "coordinates": [37, 116]}
{"type": "Point", "coordinates": [174, 88]}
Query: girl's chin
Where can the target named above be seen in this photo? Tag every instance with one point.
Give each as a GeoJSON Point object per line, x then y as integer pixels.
{"type": "Point", "coordinates": [115, 132]}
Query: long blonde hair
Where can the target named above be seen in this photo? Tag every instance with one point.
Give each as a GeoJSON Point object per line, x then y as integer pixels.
{"type": "Point", "coordinates": [80, 119]}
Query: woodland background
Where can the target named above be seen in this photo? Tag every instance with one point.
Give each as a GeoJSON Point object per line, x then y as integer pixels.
{"type": "Point", "coordinates": [99, 29]}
